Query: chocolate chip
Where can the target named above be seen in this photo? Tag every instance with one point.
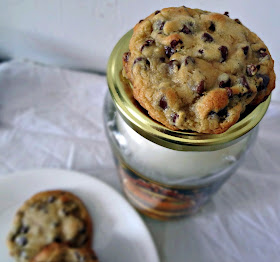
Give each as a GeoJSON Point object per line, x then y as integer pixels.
{"type": "Point", "coordinates": [162, 59]}
{"type": "Point", "coordinates": [207, 38]}
{"type": "Point", "coordinates": [224, 53]}
{"type": "Point", "coordinates": [157, 12]}
{"type": "Point", "coordinates": [65, 212]}
{"type": "Point", "coordinates": [150, 41]}
{"type": "Point", "coordinates": [226, 14]}
{"type": "Point", "coordinates": [83, 230]}
{"type": "Point", "coordinates": [249, 95]}
{"type": "Point", "coordinates": [189, 59]}
{"type": "Point", "coordinates": [251, 70]}
{"type": "Point", "coordinates": [21, 240]}
{"type": "Point", "coordinates": [163, 103]}
{"type": "Point", "coordinates": [161, 25]}
{"type": "Point", "coordinates": [139, 59]}
{"type": "Point", "coordinates": [186, 30]}
{"type": "Point", "coordinates": [245, 50]}
{"type": "Point", "coordinates": [262, 52]}
{"type": "Point", "coordinates": [169, 51]}
{"type": "Point", "coordinates": [140, 21]}
{"type": "Point", "coordinates": [56, 224]}
{"type": "Point", "coordinates": [24, 229]}
{"type": "Point", "coordinates": [51, 199]}
{"type": "Point", "coordinates": [126, 56]}
{"type": "Point", "coordinates": [173, 63]}
{"type": "Point", "coordinates": [174, 43]}
{"type": "Point", "coordinates": [223, 114]}
{"type": "Point", "coordinates": [264, 83]}
{"type": "Point", "coordinates": [42, 207]}
{"type": "Point", "coordinates": [200, 88]}
{"type": "Point", "coordinates": [237, 21]}
{"type": "Point", "coordinates": [147, 43]}
{"type": "Point", "coordinates": [201, 51]}
{"type": "Point", "coordinates": [57, 239]}
{"type": "Point", "coordinates": [229, 92]}
{"type": "Point", "coordinates": [224, 84]}
{"type": "Point", "coordinates": [212, 27]}
{"type": "Point", "coordinates": [174, 117]}
{"type": "Point", "coordinates": [245, 83]}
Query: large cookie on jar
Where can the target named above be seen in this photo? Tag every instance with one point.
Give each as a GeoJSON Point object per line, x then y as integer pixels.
{"type": "Point", "coordinates": [197, 70]}
{"type": "Point", "coordinates": [47, 217]}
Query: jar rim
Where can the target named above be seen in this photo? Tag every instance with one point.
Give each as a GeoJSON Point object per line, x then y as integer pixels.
{"type": "Point", "coordinates": [152, 130]}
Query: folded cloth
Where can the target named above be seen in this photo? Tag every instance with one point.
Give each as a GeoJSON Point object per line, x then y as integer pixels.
{"type": "Point", "coordinates": [52, 117]}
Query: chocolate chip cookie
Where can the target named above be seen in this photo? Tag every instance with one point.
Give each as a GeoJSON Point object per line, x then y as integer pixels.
{"type": "Point", "coordinates": [197, 70]}
{"type": "Point", "coordinates": [62, 253]}
{"type": "Point", "coordinates": [51, 216]}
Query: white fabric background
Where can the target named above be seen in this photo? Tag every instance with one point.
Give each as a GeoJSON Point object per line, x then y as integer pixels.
{"type": "Point", "coordinates": [50, 117]}
{"type": "Point", "coordinates": [81, 34]}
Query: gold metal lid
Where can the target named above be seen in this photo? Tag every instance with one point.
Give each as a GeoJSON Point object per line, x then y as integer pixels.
{"type": "Point", "coordinates": [138, 120]}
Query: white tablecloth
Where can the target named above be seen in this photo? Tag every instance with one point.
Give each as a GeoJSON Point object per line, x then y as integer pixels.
{"type": "Point", "coordinates": [50, 117]}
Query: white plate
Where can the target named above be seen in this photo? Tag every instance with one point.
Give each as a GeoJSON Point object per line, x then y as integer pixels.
{"type": "Point", "coordinates": [119, 233]}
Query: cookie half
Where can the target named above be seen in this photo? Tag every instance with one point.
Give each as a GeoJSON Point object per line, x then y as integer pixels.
{"type": "Point", "coordinates": [197, 70]}
{"type": "Point", "coordinates": [51, 216]}
{"type": "Point", "coordinates": [62, 253]}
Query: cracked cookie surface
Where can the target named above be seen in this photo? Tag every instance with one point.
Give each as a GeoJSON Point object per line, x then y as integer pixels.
{"type": "Point", "coordinates": [60, 252]}
{"type": "Point", "coordinates": [197, 70]}
{"type": "Point", "coordinates": [50, 216]}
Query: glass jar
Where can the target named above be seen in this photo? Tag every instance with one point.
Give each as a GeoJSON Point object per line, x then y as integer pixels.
{"type": "Point", "coordinates": [168, 174]}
